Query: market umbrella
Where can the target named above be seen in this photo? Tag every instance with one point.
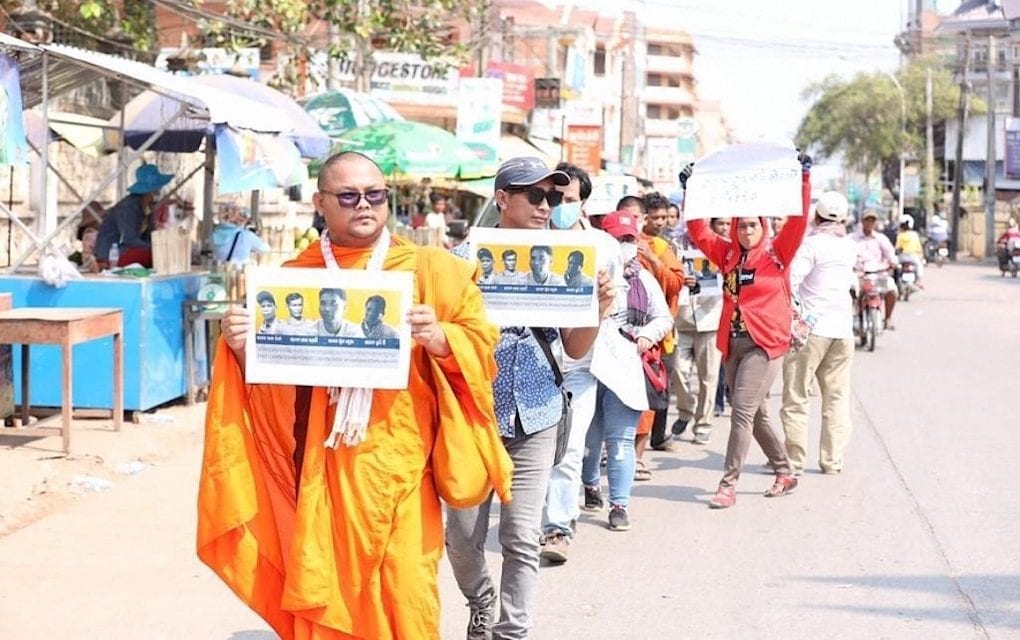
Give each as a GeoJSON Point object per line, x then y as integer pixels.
{"type": "Point", "coordinates": [306, 133]}
{"type": "Point", "coordinates": [340, 110]}
{"type": "Point", "coordinates": [415, 150]}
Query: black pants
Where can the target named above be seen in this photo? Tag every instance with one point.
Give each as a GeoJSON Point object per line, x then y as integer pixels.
{"type": "Point", "coordinates": [659, 434]}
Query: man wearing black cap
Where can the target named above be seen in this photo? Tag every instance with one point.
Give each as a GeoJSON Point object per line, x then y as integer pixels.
{"type": "Point", "coordinates": [528, 408]}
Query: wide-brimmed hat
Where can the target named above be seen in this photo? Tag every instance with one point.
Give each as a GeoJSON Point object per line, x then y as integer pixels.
{"type": "Point", "coordinates": [620, 224]}
{"type": "Point", "coordinates": [149, 179]}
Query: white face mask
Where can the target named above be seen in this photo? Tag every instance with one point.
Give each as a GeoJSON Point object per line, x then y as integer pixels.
{"type": "Point", "coordinates": [628, 251]}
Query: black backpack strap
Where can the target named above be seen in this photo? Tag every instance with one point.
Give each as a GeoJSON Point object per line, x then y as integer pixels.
{"type": "Point", "coordinates": [539, 334]}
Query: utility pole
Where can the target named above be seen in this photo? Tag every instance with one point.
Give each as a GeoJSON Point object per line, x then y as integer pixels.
{"type": "Point", "coordinates": [990, 155]}
{"type": "Point", "coordinates": [929, 156]}
{"type": "Point", "coordinates": [961, 115]}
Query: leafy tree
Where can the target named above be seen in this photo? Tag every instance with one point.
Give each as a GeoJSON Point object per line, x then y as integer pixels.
{"type": "Point", "coordinates": [859, 119]}
{"type": "Point", "coordinates": [424, 27]}
{"type": "Point", "coordinates": [125, 26]}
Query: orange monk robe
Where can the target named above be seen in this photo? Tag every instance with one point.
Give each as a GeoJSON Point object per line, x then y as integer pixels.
{"type": "Point", "coordinates": [354, 553]}
{"type": "Point", "coordinates": [670, 272]}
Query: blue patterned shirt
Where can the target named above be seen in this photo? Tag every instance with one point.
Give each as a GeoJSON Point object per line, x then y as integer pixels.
{"type": "Point", "coordinates": [525, 383]}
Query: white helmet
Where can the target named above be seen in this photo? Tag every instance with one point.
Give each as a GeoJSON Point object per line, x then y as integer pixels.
{"type": "Point", "coordinates": [908, 220]}
{"type": "Point", "coordinates": [832, 205]}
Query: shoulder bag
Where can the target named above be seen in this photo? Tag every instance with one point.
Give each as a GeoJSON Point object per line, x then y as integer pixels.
{"type": "Point", "coordinates": [563, 427]}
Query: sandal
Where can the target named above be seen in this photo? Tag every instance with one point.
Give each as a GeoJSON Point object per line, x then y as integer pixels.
{"type": "Point", "coordinates": [782, 486]}
{"type": "Point", "coordinates": [641, 471]}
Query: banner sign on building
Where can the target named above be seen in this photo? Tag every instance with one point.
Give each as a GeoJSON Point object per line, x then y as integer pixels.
{"type": "Point", "coordinates": [686, 140]}
{"type": "Point", "coordinates": [13, 144]}
{"type": "Point", "coordinates": [1012, 161]}
{"type": "Point", "coordinates": [404, 78]}
{"type": "Point", "coordinates": [479, 112]}
{"type": "Point", "coordinates": [518, 84]}
{"type": "Point", "coordinates": [215, 60]}
{"type": "Point", "coordinates": [583, 147]}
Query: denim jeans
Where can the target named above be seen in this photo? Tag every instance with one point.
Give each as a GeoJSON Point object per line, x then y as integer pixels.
{"type": "Point", "coordinates": [561, 506]}
{"type": "Point", "coordinates": [520, 525]}
{"type": "Point", "coordinates": [616, 424]}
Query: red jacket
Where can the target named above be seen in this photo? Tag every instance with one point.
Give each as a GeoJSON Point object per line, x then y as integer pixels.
{"type": "Point", "coordinates": [764, 300]}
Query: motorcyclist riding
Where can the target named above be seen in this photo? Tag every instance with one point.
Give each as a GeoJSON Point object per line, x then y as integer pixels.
{"type": "Point", "coordinates": [909, 248]}
{"type": "Point", "coordinates": [874, 251]}
{"type": "Point", "coordinates": [1006, 242]}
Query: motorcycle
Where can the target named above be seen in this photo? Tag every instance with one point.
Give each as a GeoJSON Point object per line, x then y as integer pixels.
{"type": "Point", "coordinates": [868, 313]}
{"type": "Point", "coordinates": [906, 283]}
{"type": "Point", "coordinates": [936, 251]}
{"type": "Point", "coordinates": [1009, 257]}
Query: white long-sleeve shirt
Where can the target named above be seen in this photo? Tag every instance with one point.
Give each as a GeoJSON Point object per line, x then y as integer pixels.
{"type": "Point", "coordinates": [821, 275]}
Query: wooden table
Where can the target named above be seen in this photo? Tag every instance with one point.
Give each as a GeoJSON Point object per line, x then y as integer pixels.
{"type": "Point", "coordinates": [65, 327]}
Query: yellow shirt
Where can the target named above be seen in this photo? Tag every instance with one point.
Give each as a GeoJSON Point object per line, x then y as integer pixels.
{"type": "Point", "coordinates": [909, 243]}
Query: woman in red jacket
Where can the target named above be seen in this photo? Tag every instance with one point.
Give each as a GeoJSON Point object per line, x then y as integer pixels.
{"type": "Point", "coordinates": [754, 333]}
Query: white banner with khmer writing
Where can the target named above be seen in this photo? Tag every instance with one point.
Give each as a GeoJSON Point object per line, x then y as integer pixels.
{"type": "Point", "coordinates": [745, 180]}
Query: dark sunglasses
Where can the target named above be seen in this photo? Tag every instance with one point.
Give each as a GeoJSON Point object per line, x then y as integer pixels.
{"type": "Point", "coordinates": [350, 199]}
{"type": "Point", "coordinates": [537, 194]}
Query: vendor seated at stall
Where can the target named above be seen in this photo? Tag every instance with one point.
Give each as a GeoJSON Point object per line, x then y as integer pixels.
{"type": "Point", "coordinates": [129, 222]}
{"type": "Point", "coordinates": [85, 258]}
{"type": "Point", "coordinates": [232, 240]}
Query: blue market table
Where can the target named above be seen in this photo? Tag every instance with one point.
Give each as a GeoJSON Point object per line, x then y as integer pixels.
{"type": "Point", "coordinates": [154, 350]}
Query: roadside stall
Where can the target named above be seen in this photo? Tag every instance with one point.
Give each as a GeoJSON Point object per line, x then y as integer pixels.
{"type": "Point", "coordinates": [155, 370]}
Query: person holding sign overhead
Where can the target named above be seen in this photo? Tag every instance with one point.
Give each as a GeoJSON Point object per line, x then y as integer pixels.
{"type": "Point", "coordinates": [320, 507]}
{"type": "Point", "coordinates": [754, 331]}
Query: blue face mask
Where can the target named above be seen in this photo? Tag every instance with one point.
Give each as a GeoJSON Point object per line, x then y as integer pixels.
{"type": "Point", "coordinates": [565, 215]}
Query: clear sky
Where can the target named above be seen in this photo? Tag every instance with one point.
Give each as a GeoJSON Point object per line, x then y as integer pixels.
{"type": "Point", "coordinates": [756, 56]}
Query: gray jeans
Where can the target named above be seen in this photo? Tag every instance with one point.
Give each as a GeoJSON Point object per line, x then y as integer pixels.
{"type": "Point", "coordinates": [520, 525]}
{"type": "Point", "coordinates": [750, 374]}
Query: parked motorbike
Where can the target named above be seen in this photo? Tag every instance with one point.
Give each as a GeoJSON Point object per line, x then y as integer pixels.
{"type": "Point", "coordinates": [868, 313]}
{"type": "Point", "coordinates": [907, 281]}
{"type": "Point", "coordinates": [1009, 258]}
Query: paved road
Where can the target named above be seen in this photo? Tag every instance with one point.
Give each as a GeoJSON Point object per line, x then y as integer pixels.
{"type": "Point", "coordinates": [916, 539]}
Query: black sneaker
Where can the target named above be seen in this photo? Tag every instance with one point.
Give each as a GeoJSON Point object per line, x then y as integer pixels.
{"type": "Point", "coordinates": [618, 520]}
{"type": "Point", "coordinates": [593, 499]}
{"type": "Point", "coordinates": [679, 427]}
{"type": "Point", "coordinates": [481, 619]}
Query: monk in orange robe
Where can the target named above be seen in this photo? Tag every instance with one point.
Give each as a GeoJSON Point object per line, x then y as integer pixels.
{"type": "Point", "coordinates": [344, 542]}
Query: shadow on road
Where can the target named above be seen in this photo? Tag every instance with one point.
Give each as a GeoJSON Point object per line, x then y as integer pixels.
{"type": "Point", "coordinates": [993, 596]}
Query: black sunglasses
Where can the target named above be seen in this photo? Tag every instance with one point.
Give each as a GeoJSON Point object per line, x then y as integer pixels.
{"type": "Point", "coordinates": [350, 199]}
{"type": "Point", "coordinates": [537, 194]}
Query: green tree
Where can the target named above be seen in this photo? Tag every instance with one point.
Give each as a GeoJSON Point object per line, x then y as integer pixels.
{"type": "Point", "coordinates": [124, 26]}
{"type": "Point", "coordinates": [859, 119]}
{"type": "Point", "coordinates": [425, 27]}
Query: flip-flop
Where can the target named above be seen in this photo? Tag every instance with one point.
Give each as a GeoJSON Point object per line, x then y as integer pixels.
{"type": "Point", "coordinates": [641, 471]}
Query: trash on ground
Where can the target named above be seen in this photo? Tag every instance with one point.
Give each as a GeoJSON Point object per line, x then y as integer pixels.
{"type": "Point", "coordinates": [132, 468]}
{"type": "Point", "coordinates": [91, 483]}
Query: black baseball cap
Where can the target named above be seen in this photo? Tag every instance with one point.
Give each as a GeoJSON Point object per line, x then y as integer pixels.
{"type": "Point", "coordinates": [525, 171]}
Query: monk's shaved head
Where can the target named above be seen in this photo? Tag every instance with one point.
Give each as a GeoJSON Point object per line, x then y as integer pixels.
{"type": "Point", "coordinates": [353, 199]}
{"type": "Point", "coordinates": [332, 163]}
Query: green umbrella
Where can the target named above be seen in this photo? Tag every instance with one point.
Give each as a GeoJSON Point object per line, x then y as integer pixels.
{"type": "Point", "coordinates": [415, 150]}
{"type": "Point", "coordinates": [340, 110]}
